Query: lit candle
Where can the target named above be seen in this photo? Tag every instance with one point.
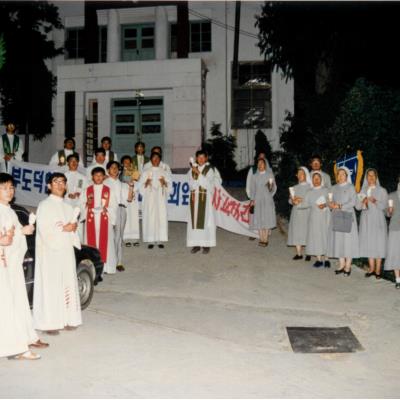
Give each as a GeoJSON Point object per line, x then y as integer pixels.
{"type": "Point", "coordinates": [369, 191]}
{"type": "Point", "coordinates": [271, 180]}
{"type": "Point", "coordinates": [103, 202]}
{"type": "Point", "coordinates": [330, 197]}
{"type": "Point", "coordinates": [291, 191]}
{"type": "Point", "coordinates": [390, 201]}
{"type": "Point", "coordinates": [32, 218]}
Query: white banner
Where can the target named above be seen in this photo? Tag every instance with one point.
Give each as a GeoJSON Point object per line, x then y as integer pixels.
{"type": "Point", "coordinates": [231, 214]}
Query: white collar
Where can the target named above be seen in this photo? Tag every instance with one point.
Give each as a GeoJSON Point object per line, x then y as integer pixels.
{"type": "Point", "coordinates": [56, 198]}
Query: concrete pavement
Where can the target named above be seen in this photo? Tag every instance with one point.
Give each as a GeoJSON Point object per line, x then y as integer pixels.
{"type": "Point", "coordinates": [181, 325]}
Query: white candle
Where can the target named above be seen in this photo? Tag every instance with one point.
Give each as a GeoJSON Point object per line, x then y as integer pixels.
{"type": "Point", "coordinates": [369, 191]}
{"type": "Point", "coordinates": [103, 202]}
{"type": "Point", "coordinates": [32, 218]}
{"type": "Point", "coordinates": [390, 201]}
{"type": "Point", "coordinates": [191, 160]}
{"type": "Point", "coordinates": [330, 197]}
{"type": "Point", "coordinates": [75, 214]}
{"type": "Point", "coordinates": [291, 191]}
{"type": "Point", "coordinates": [270, 180]}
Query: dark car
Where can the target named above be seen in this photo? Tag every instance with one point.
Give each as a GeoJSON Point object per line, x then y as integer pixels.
{"type": "Point", "coordinates": [89, 265]}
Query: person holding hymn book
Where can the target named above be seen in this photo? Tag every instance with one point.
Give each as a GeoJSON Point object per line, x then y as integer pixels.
{"type": "Point", "coordinates": [99, 161]}
{"type": "Point", "coordinates": [60, 158]}
{"type": "Point", "coordinates": [298, 223]}
{"type": "Point", "coordinates": [154, 186]}
{"type": "Point", "coordinates": [99, 207]}
{"type": "Point", "coordinates": [318, 221]}
{"type": "Point", "coordinates": [343, 232]}
{"type": "Point", "coordinates": [316, 164]}
{"type": "Point", "coordinates": [13, 254]}
{"type": "Point", "coordinates": [201, 227]}
{"type": "Point", "coordinates": [372, 201]}
{"type": "Point", "coordinates": [392, 261]}
{"type": "Point", "coordinates": [263, 189]}
{"type": "Point", "coordinates": [106, 144]}
{"type": "Point", "coordinates": [132, 229]}
{"type": "Point", "coordinates": [56, 301]}
{"type": "Point", "coordinates": [123, 193]}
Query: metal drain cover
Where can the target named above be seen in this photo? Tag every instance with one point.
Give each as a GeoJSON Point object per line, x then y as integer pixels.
{"type": "Point", "coordinates": [323, 340]}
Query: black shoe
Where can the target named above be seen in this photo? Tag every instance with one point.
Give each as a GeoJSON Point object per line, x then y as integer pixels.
{"type": "Point", "coordinates": [206, 250]}
{"type": "Point", "coordinates": [136, 244]}
{"type": "Point", "coordinates": [120, 268]}
{"type": "Point", "coordinates": [252, 238]}
{"type": "Point", "coordinates": [347, 273]}
{"type": "Point", "coordinates": [339, 271]}
{"type": "Point", "coordinates": [160, 246]}
{"type": "Point", "coordinates": [150, 246]}
{"type": "Point", "coordinates": [327, 264]}
{"type": "Point", "coordinates": [368, 274]}
{"type": "Point", "coordinates": [397, 285]}
{"type": "Point", "coordinates": [128, 244]}
{"type": "Point", "coordinates": [308, 258]}
{"type": "Point", "coordinates": [195, 249]}
{"type": "Point", "coordinates": [318, 264]}
{"type": "Point", "coordinates": [297, 257]}
{"type": "Point", "coordinates": [378, 276]}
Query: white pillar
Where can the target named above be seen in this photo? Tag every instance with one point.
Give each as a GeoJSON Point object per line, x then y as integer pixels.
{"type": "Point", "coordinates": [161, 33]}
{"type": "Point", "coordinates": [113, 37]}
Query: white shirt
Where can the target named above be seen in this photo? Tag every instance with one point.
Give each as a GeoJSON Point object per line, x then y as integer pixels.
{"type": "Point", "coordinates": [54, 158]}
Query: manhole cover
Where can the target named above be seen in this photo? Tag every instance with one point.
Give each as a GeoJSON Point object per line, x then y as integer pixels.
{"type": "Point", "coordinates": [323, 340]}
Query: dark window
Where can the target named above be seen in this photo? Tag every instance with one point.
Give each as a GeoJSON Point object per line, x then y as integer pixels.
{"type": "Point", "coordinates": [124, 103]}
{"type": "Point", "coordinates": [251, 96]}
{"type": "Point", "coordinates": [102, 44]}
{"type": "Point", "coordinates": [200, 37]}
{"type": "Point", "coordinates": [74, 43]}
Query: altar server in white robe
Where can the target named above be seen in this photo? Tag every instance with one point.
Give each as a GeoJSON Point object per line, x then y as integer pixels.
{"type": "Point", "coordinates": [76, 184]}
{"type": "Point", "coordinates": [99, 161]}
{"type": "Point", "coordinates": [163, 165]}
{"type": "Point", "coordinates": [343, 245]}
{"type": "Point", "coordinates": [318, 221]}
{"type": "Point", "coordinates": [392, 261]}
{"type": "Point", "coordinates": [298, 223]}
{"type": "Point", "coordinates": [372, 201]}
{"type": "Point", "coordinates": [201, 226]}
{"type": "Point", "coordinates": [17, 330]}
{"type": "Point", "coordinates": [56, 302]}
{"type": "Point", "coordinates": [99, 208]}
{"type": "Point", "coordinates": [155, 186]}
{"type": "Point", "coordinates": [124, 195]}
{"type": "Point", "coordinates": [132, 228]}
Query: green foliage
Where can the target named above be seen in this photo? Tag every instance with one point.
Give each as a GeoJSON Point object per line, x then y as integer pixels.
{"type": "Point", "coordinates": [262, 145]}
{"type": "Point", "coordinates": [221, 150]}
{"type": "Point", "coordinates": [369, 120]}
{"type": "Point", "coordinates": [26, 85]}
{"type": "Point", "coordinates": [2, 52]}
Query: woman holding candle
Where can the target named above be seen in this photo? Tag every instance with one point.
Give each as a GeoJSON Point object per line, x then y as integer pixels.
{"type": "Point", "coordinates": [298, 223]}
{"type": "Point", "coordinates": [317, 235]}
{"type": "Point", "coordinates": [262, 191]}
{"type": "Point", "coordinates": [372, 201]}
{"type": "Point", "coordinates": [343, 245]}
{"type": "Point", "coordinates": [392, 261]}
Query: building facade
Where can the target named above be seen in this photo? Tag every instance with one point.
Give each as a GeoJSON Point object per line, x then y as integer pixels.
{"type": "Point", "coordinates": [162, 72]}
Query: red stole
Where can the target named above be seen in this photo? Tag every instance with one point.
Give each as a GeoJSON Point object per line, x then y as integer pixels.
{"type": "Point", "coordinates": [90, 222]}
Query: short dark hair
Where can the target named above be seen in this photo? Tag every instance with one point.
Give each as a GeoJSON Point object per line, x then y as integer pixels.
{"type": "Point", "coordinates": [316, 157]}
{"type": "Point", "coordinates": [201, 152]}
{"type": "Point", "coordinates": [4, 178]}
{"type": "Point", "coordinates": [55, 175]}
{"type": "Point", "coordinates": [98, 169]}
{"type": "Point", "coordinates": [154, 153]}
{"type": "Point", "coordinates": [110, 163]}
{"type": "Point", "coordinates": [69, 139]}
{"type": "Point", "coordinates": [73, 155]}
{"type": "Point", "coordinates": [104, 138]}
{"type": "Point", "coordinates": [126, 158]}
{"type": "Point", "coordinates": [99, 150]}
{"type": "Point", "coordinates": [154, 149]}
{"type": "Point", "coordinates": [139, 144]}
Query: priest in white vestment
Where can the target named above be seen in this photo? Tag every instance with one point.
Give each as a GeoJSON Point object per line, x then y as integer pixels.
{"type": "Point", "coordinates": [155, 186]}
{"type": "Point", "coordinates": [56, 302]}
{"type": "Point", "coordinates": [201, 227]}
{"type": "Point", "coordinates": [99, 210]}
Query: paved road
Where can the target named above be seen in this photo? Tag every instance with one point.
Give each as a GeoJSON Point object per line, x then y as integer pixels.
{"type": "Point", "coordinates": [178, 325]}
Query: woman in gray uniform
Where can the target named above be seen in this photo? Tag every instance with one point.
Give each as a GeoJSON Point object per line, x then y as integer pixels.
{"type": "Point", "coordinates": [372, 201]}
{"type": "Point", "coordinates": [317, 236]}
{"type": "Point", "coordinates": [343, 245]}
{"type": "Point", "coordinates": [263, 189]}
{"type": "Point", "coordinates": [392, 261]}
{"type": "Point", "coordinates": [298, 223]}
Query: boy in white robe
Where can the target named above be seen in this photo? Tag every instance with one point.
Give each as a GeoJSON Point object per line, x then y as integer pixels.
{"type": "Point", "coordinates": [124, 195]}
{"type": "Point", "coordinates": [99, 161]}
{"type": "Point", "coordinates": [99, 210]}
{"type": "Point", "coordinates": [154, 186]}
{"type": "Point", "coordinates": [201, 227]}
{"type": "Point", "coordinates": [56, 301]}
{"type": "Point", "coordinates": [17, 332]}
{"type": "Point", "coordinates": [164, 166]}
